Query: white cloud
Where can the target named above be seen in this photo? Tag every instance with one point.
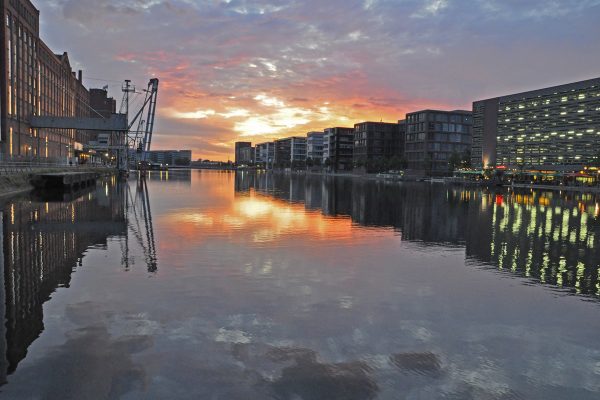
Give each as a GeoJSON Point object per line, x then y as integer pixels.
{"type": "Point", "coordinates": [199, 114]}
{"type": "Point", "coordinates": [432, 7]}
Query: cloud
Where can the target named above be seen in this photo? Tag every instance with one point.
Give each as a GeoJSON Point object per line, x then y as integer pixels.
{"type": "Point", "coordinates": [265, 68]}
{"type": "Point", "coordinates": [431, 8]}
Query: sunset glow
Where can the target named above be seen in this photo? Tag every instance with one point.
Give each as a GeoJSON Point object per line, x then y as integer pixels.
{"type": "Point", "coordinates": [259, 70]}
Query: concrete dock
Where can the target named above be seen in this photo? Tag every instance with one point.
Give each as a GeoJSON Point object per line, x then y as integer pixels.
{"type": "Point", "coordinates": [68, 180]}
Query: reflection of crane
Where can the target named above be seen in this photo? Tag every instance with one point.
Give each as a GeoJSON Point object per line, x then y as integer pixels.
{"type": "Point", "coordinates": [139, 221]}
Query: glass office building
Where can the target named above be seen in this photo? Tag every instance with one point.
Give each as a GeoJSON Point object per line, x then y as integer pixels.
{"type": "Point", "coordinates": [556, 128]}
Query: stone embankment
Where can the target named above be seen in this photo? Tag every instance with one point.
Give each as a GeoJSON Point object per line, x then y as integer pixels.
{"type": "Point", "coordinates": [17, 180]}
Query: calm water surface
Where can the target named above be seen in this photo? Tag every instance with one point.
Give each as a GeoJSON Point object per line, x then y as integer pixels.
{"type": "Point", "coordinates": [212, 285]}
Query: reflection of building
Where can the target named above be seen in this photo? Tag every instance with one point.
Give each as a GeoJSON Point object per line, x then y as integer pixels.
{"type": "Point", "coordinates": [552, 238]}
{"type": "Point", "coordinates": [536, 236]}
{"type": "Point", "coordinates": [174, 175]}
{"type": "Point", "coordinates": [338, 145]}
{"type": "Point", "coordinates": [42, 242]}
{"type": "Point", "coordinates": [553, 128]}
{"type": "Point", "coordinates": [432, 136]}
{"type": "Point", "coordinates": [36, 81]}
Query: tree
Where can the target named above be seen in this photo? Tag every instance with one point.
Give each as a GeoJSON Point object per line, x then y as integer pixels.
{"type": "Point", "coordinates": [454, 161]}
{"type": "Point", "coordinates": [466, 159]}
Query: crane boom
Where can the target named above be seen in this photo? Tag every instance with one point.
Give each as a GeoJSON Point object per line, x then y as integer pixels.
{"type": "Point", "coordinates": [153, 89]}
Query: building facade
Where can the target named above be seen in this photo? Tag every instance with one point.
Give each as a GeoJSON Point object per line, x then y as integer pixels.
{"type": "Point", "coordinates": [36, 81]}
{"type": "Point", "coordinates": [556, 128]}
{"type": "Point", "coordinates": [298, 149]}
{"type": "Point", "coordinates": [282, 152]}
{"type": "Point", "coordinates": [433, 136]}
{"type": "Point", "coordinates": [338, 148]}
{"type": "Point", "coordinates": [264, 154]}
{"type": "Point", "coordinates": [314, 146]}
{"type": "Point", "coordinates": [375, 142]}
{"type": "Point", "coordinates": [170, 157]}
{"type": "Point", "coordinates": [238, 150]}
{"type": "Point", "coordinates": [103, 106]}
{"type": "Point", "coordinates": [289, 150]}
{"type": "Point", "coordinates": [246, 156]}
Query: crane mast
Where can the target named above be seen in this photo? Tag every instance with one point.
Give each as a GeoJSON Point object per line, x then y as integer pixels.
{"type": "Point", "coordinates": [140, 140]}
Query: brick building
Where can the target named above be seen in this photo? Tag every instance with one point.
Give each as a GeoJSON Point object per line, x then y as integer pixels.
{"type": "Point", "coordinates": [36, 81]}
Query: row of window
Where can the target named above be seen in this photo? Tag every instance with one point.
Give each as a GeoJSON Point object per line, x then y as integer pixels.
{"type": "Point", "coordinates": [438, 117]}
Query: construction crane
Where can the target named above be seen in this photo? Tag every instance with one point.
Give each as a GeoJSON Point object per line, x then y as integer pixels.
{"type": "Point", "coordinates": [140, 139]}
{"type": "Point", "coordinates": [118, 124]}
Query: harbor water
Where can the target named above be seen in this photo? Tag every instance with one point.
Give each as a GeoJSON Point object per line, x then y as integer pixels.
{"type": "Point", "coordinates": [223, 285]}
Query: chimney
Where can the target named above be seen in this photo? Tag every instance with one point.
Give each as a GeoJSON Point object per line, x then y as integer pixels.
{"type": "Point", "coordinates": [80, 76]}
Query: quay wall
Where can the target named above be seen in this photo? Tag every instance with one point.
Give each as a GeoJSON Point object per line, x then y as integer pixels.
{"type": "Point", "coordinates": [20, 181]}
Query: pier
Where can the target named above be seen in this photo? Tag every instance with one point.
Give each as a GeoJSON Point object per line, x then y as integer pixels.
{"type": "Point", "coordinates": [70, 180]}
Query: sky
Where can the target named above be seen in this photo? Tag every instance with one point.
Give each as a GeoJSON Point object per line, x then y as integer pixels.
{"type": "Point", "coordinates": [234, 70]}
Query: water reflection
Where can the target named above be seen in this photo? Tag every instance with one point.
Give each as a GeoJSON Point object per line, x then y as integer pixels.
{"type": "Point", "coordinates": [140, 224]}
{"type": "Point", "coordinates": [43, 241]}
{"type": "Point", "coordinates": [279, 287]}
{"type": "Point", "coordinates": [552, 238]}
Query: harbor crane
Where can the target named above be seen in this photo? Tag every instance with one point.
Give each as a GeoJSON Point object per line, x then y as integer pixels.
{"type": "Point", "coordinates": [130, 145]}
{"type": "Point", "coordinates": [140, 139]}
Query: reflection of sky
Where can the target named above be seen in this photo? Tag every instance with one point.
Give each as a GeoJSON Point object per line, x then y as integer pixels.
{"type": "Point", "coordinates": [320, 307]}
{"type": "Point", "coordinates": [261, 69]}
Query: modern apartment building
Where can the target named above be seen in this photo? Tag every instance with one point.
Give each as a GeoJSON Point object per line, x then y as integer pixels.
{"type": "Point", "coordinates": [314, 146]}
{"type": "Point", "coordinates": [238, 150]}
{"type": "Point", "coordinates": [556, 128]}
{"type": "Point", "coordinates": [298, 149]}
{"type": "Point", "coordinates": [282, 152]}
{"type": "Point", "coordinates": [265, 153]}
{"type": "Point", "coordinates": [288, 150]}
{"type": "Point", "coordinates": [338, 147]}
{"type": "Point", "coordinates": [36, 81]}
{"type": "Point", "coordinates": [432, 136]}
{"type": "Point", "coordinates": [376, 141]}
{"type": "Point", "coordinates": [247, 155]}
